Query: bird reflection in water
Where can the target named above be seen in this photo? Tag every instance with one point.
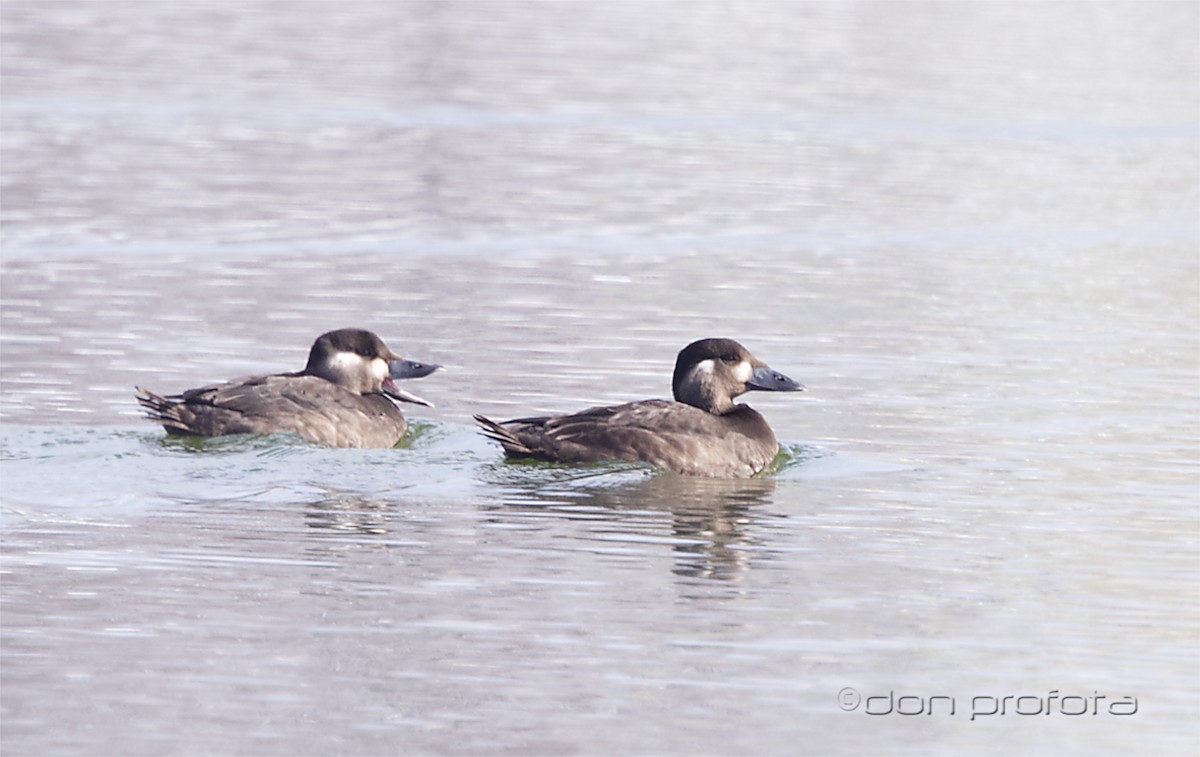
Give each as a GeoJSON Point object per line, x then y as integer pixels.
{"type": "Point", "coordinates": [349, 513]}
{"type": "Point", "coordinates": [715, 524]}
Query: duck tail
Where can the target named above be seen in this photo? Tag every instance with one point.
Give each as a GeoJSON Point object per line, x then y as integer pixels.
{"type": "Point", "coordinates": [498, 433]}
{"type": "Point", "coordinates": [158, 408]}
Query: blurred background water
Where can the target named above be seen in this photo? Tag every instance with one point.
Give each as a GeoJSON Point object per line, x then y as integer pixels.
{"type": "Point", "coordinates": [970, 228]}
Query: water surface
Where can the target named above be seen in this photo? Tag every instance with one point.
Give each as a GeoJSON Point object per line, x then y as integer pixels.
{"type": "Point", "coordinates": [969, 229]}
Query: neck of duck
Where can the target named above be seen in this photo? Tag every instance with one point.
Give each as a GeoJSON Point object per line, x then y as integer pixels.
{"type": "Point", "coordinates": [698, 389]}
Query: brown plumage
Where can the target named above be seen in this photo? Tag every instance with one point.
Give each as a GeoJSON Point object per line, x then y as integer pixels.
{"type": "Point", "coordinates": [339, 399]}
{"type": "Point", "coordinates": [701, 433]}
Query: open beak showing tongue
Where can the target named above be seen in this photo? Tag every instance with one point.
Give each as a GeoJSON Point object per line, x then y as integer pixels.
{"type": "Point", "coordinates": [407, 369]}
{"type": "Point", "coordinates": [391, 390]}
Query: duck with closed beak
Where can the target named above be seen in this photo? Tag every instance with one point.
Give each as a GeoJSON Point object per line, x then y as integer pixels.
{"type": "Point", "coordinates": [701, 433]}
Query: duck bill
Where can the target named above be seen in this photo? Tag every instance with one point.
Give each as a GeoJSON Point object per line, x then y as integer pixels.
{"type": "Point", "coordinates": [767, 380]}
{"type": "Point", "coordinates": [410, 369]}
{"type": "Point", "coordinates": [396, 393]}
{"type": "Point", "coordinates": [407, 369]}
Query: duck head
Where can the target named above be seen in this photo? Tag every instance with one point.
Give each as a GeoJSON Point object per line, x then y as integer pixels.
{"type": "Point", "coordinates": [358, 360]}
{"type": "Point", "coordinates": [710, 373]}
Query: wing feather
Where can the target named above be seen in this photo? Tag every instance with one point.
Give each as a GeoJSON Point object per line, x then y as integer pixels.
{"type": "Point", "coordinates": [663, 433]}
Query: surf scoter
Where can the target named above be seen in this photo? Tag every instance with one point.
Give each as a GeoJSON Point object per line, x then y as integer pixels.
{"type": "Point", "coordinates": [341, 398]}
{"type": "Point", "coordinates": [701, 433]}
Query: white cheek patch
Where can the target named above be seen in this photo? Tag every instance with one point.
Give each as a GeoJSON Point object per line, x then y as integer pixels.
{"type": "Point", "coordinates": [705, 367]}
{"type": "Point", "coordinates": [379, 367]}
{"type": "Point", "coordinates": [346, 359]}
{"type": "Point", "coordinates": [350, 364]}
{"type": "Point", "coordinates": [743, 372]}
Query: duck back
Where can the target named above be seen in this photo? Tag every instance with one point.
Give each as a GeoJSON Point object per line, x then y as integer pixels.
{"type": "Point", "coordinates": [666, 434]}
{"type": "Point", "coordinates": [309, 406]}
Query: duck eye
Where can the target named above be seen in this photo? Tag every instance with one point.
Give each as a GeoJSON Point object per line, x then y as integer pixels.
{"type": "Point", "coordinates": [729, 358]}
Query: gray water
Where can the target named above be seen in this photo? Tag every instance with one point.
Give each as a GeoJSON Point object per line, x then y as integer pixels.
{"type": "Point", "coordinates": [970, 228]}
